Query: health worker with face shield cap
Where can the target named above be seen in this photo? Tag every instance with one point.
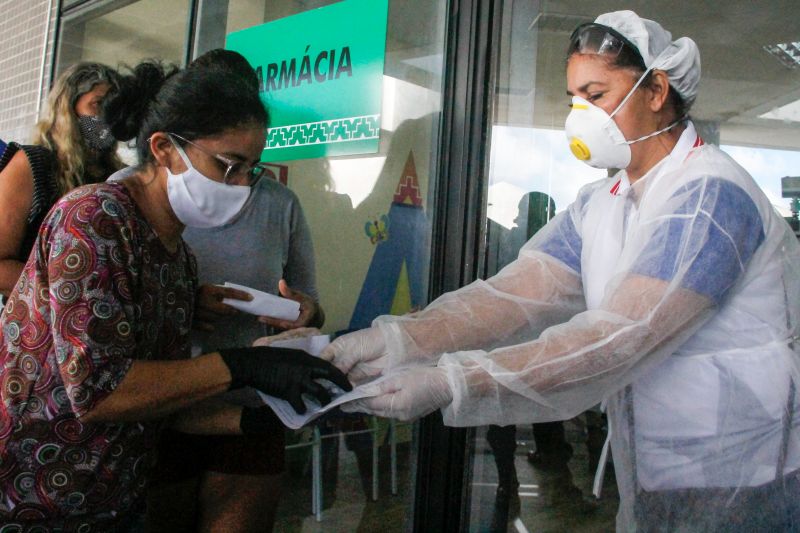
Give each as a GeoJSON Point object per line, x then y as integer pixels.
{"type": "Point", "coordinates": [669, 292]}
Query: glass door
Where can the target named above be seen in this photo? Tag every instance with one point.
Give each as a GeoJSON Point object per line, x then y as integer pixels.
{"type": "Point", "coordinates": [370, 221]}
{"type": "Point", "coordinates": [370, 218]}
{"type": "Point", "coordinates": [544, 477]}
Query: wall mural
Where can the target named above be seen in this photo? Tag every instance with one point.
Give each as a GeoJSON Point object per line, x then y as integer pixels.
{"type": "Point", "coordinates": [394, 282]}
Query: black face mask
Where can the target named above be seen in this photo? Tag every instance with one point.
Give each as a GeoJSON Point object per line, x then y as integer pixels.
{"type": "Point", "coordinates": [96, 133]}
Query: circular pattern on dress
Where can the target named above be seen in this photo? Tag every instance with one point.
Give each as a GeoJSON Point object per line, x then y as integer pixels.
{"type": "Point", "coordinates": [111, 208]}
{"type": "Point", "coordinates": [34, 405]}
{"type": "Point", "coordinates": [35, 336]}
{"type": "Point", "coordinates": [106, 227]}
{"type": "Point", "coordinates": [29, 364]}
{"type": "Point", "coordinates": [47, 453]}
{"type": "Point", "coordinates": [115, 253]}
{"type": "Point", "coordinates": [164, 275]}
{"type": "Point", "coordinates": [14, 381]}
{"type": "Point", "coordinates": [73, 320]}
{"type": "Point", "coordinates": [76, 456]}
{"type": "Point", "coordinates": [57, 478]}
{"type": "Point", "coordinates": [77, 263]}
{"type": "Point", "coordinates": [43, 295]}
{"type": "Point", "coordinates": [59, 397]}
{"type": "Point", "coordinates": [80, 396]}
{"type": "Point", "coordinates": [71, 430]}
{"type": "Point", "coordinates": [30, 512]}
{"type": "Point", "coordinates": [67, 292]}
{"type": "Point", "coordinates": [24, 483]}
{"type": "Point", "coordinates": [116, 450]}
{"type": "Point", "coordinates": [28, 445]}
{"type": "Point", "coordinates": [11, 528]}
{"type": "Point", "coordinates": [75, 499]}
{"type": "Point", "coordinates": [103, 310]}
{"type": "Point", "coordinates": [11, 330]}
{"type": "Point", "coordinates": [78, 369]}
{"type": "Point", "coordinates": [124, 328]}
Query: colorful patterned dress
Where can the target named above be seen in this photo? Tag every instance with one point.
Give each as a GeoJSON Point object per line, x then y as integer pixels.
{"type": "Point", "coordinates": [99, 291]}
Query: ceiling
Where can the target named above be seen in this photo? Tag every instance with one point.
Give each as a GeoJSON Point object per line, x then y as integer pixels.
{"type": "Point", "coordinates": [740, 80]}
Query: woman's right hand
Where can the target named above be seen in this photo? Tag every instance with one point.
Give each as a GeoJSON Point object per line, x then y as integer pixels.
{"type": "Point", "coordinates": [361, 355]}
{"type": "Point", "coordinates": [209, 307]}
{"type": "Point", "coordinates": [282, 372]}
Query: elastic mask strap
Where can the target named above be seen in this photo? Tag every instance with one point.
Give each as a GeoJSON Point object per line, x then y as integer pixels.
{"type": "Point", "coordinates": [659, 132]}
{"type": "Point", "coordinates": [639, 82]}
{"type": "Point", "coordinates": [630, 93]}
{"type": "Point", "coordinates": [181, 153]}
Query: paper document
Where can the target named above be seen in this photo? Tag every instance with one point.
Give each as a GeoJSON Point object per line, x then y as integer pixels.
{"type": "Point", "coordinates": [264, 304]}
{"type": "Point", "coordinates": [291, 419]}
{"type": "Point", "coordinates": [312, 344]}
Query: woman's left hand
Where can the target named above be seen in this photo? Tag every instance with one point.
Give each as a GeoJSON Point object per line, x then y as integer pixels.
{"type": "Point", "coordinates": [209, 307]}
{"type": "Point", "coordinates": [409, 394]}
{"type": "Point", "coordinates": [310, 311]}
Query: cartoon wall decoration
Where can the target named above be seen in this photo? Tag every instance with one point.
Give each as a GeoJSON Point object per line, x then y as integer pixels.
{"type": "Point", "coordinates": [394, 282]}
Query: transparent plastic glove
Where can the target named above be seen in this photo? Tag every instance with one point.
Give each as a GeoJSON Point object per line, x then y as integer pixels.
{"type": "Point", "coordinates": [361, 355]}
{"type": "Point", "coordinates": [408, 395]}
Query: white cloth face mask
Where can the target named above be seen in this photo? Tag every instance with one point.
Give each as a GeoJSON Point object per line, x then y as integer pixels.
{"type": "Point", "coordinates": [595, 138]}
{"type": "Point", "coordinates": [200, 202]}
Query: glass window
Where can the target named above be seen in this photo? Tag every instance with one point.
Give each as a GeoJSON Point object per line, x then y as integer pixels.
{"type": "Point", "coordinates": [124, 35]}
{"type": "Point", "coordinates": [541, 477]}
{"type": "Point", "coordinates": [369, 217]}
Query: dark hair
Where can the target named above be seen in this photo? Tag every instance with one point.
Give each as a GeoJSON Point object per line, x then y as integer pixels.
{"type": "Point", "coordinates": [630, 58]}
{"type": "Point", "coordinates": [195, 102]}
{"type": "Point", "coordinates": [227, 62]}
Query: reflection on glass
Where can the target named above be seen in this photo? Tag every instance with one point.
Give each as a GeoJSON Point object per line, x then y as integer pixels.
{"type": "Point", "coordinates": [127, 35]}
{"type": "Point", "coordinates": [369, 217]}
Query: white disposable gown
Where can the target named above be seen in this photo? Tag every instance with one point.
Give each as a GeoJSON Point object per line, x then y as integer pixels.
{"type": "Point", "coordinates": [675, 301]}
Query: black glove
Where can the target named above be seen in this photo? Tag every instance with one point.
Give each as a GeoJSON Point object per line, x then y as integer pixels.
{"type": "Point", "coordinates": [282, 372]}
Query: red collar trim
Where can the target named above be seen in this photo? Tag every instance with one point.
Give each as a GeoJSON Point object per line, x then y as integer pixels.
{"type": "Point", "coordinates": [615, 188]}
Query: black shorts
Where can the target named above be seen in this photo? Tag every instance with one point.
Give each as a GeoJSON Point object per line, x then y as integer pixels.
{"type": "Point", "coordinates": [182, 456]}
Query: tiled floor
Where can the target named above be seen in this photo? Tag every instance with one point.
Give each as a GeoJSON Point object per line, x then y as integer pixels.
{"type": "Point", "coordinates": [347, 508]}
{"type": "Point", "coordinates": [544, 504]}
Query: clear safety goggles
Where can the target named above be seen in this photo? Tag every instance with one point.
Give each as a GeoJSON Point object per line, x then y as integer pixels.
{"type": "Point", "coordinates": [593, 38]}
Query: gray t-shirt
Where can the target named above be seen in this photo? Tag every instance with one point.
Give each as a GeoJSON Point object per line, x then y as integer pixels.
{"type": "Point", "coordinates": [268, 240]}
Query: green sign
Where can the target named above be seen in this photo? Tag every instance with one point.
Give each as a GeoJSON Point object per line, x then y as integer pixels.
{"type": "Point", "coordinates": [320, 74]}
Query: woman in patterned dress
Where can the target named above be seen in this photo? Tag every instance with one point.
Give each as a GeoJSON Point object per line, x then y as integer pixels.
{"type": "Point", "coordinates": [94, 348]}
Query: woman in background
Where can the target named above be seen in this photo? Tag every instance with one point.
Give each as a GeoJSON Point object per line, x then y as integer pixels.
{"type": "Point", "coordinates": [233, 483]}
{"type": "Point", "coordinates": [71, 146]}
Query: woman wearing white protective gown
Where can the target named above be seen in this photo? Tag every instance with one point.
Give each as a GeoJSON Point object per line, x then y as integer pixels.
{"type": "Point", "coordinates": [670, 291]}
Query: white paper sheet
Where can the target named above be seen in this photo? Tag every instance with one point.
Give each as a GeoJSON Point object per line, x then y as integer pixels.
{"type": "Point", "coordinates": [291, 419]}
{"type": "Point", "coordinates": [312, 344]}
{"type": "Point", "coordinates": [264, 304]}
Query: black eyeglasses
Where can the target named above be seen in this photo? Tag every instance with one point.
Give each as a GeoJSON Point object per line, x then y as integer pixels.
{"type": "Point", "coordinates": [593, 38]}
{"type": "Point", "coordinates": [234, 169]}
